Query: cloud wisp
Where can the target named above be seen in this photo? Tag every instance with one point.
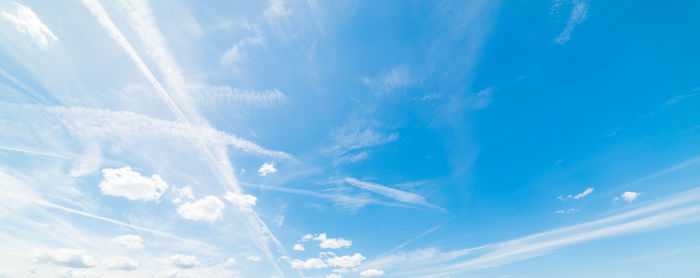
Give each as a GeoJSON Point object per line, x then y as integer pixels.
{"type": "Point", "coordinates": [26, 21]}
{"type": "Point", "coordinates": [674, 210]}
{"type": "Point", "coordinates": [392, 193]}
{"type": "Point", "coordinates": [579, 12]}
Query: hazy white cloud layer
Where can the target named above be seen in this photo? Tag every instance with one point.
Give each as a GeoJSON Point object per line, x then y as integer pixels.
{"type": "Point", "coordinates": [27, 22]}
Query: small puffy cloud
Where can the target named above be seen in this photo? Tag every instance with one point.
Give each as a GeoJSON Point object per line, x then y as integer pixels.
{"type": "Point", "coordinates": [630, 196]}
{"type": "Point", "coordinates": [307, 237]}
{"type": "Point", "coordinates": [267, 168]}
{"type": "Point", "coordinates": [372, 273]}
{"type": "Point", "coordinates": [346, 261]}
{"type": "Point", "coordinates": [243, 201]}
{"type": "Point", "coordinates": [183, 193]}
{"type": "Point", "coordinates": [129, 241]}
{"type": "Point", "coordinates": [254, 258]}
{"type": "Point", "coordinates": [332, 243]}
{"type": "Point", "coordinates": [65, 257]}
{"type": "Point", "coordinates": [120, 263]}
{"type": "Point", "coordinates": [308, 264]}
{"type": "Point", "coordinates": [27, 22]}
{"type": "Point", "coordinates": [183, 261]}
{"type": "Point", "coordinates": [298, 247]}
{"type": "Point", "coordinates": [333, 275]}
{"type": "Point", "coordinates": [568, 211]}
{"type": "Point", "coordinates": [127, 183]}
{"type": "Point", "coordinates": [584, 193]}
{"type": "Point", "coordinates": [206, 209]}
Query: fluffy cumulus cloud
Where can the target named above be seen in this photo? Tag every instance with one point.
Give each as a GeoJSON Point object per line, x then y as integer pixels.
{"type": "Point", "coordinates": [65, 257]}
{"type": "Point", "coordinates": [308, 264]}
{"type": "Point", "coordinates": [129, 241]}
{"type": "Point", "coordinates": [298, 247]}
{"type": "Point", "coordinates": [206, 209]}
{"type": "Point", "coordinates": [326, 242]}
{"type": "Point", "coordinates": [333, 275]}
{"type": "Point", "coordinates": [183, 261]}
{"type": "Point", "coordinates": [267, 168]}
{"type": "Point", "coordinates": [630, 196]}
{"type": "Point", "coordinates": [372, 273]}
{"type": "Point", "coordinates": [120, 263]}
{"type": "Point", "coordinates": [243, 201]}
{"type": "Point", "coordinates": [27, 22]}
{"type": "Point", "coordinates": [346, 261]}
{"type": "Point", "coordinates": [130, 184]}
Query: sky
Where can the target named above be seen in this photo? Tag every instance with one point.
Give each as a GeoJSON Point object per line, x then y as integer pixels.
{"type": "Point", "coordinates": [329, 139]}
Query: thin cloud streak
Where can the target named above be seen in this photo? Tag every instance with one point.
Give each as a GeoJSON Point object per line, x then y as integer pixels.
{"type": "Point", "coordinates": [392, 193]}
{"type": "Point", "coordinates": [674, 210]}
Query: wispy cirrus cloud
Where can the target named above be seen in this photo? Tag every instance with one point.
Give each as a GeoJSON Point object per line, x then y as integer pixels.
{"type": "Point", "coordinates": [674, 210]}
{"type": "Point", "coordinates": [579, 12]}
{"type": "Point", "coordinates": [27, 22]}
{"type": "Point", "coordinates": [392, 193]}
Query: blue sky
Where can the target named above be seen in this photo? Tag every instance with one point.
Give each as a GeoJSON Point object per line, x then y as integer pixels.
{"type": "Point", "coordinates": [349, 138]}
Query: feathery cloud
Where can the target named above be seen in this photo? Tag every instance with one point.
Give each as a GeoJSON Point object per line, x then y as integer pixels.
{"type": "Point", "coordinates": [26, 21]}
{"type": "Point", "coordinates": [398, 195]}
{"type": "Point", "coordinates": [579, 12]}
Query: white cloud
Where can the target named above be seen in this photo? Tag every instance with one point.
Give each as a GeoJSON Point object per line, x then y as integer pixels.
{"type": "Point", "coordinates": [332, 243]}
{"type": "Point", "coordinates": [333, 275]}
{"type": "Point", "coordinates": [241, 99]}
{"type": "Point", "coordinates": [358, 134]}
{"type": "Point", "coordinates": [630, 196]}
{"type": "Point", "coordinates": [129, 241]}
{"type": "Point", "coordinates": [372, 273]}
{"type": "Point", "coordinates": [307, 237]}
{"type": "Point", "coordinates": [183, 261]}
{"type": "Point", "coordinates": [584, 193]}
{"type": "Point", "coordinates": [132, 185]}
{"type": "Point", "coordinates": [579, 12]}
{"type": "Point", "coordinates": [184, 193]}
{"type": "Point", "coordinates": [674, 210]}
{"type": "Point", "coordinates": [311, 263]}
{"type": "Point", "coordinates": [346, 261]}
{"type": "Point", "coordinates": [254, 258]}
{"type": "Point", "coordinates": [206, 209]}
{"type": "Point", "coordinates": [120, 263]}
{"type": "Point", "coordinates": [568, 211]}
{"type": "Point", "coordinates": [26, 21]}
{"type": "Point", "coordinates": [231, 261]}
{"type": "Point", "coordinates": [298, 247]}
{"type": "Point", "coordinates": [65, 257]}
{"type": "Point", "coordinates": [394, 78]}
{"type": "Point", "coordinates": [243, 201]}
{"type": "Point", "coordinates": [267, 168]}
{"type": "Point", "coordinates": [398, 195]}
{"type": "Point", "coordinates": [276, 9]}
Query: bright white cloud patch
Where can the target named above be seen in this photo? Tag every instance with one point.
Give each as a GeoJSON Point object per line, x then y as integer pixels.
{"type": "Point", "coordinates": [298, 247]}
{"type": "Point", "coordinates": [333, 275]}
{"type": "Point", "coordinates": [183, 261]}
{"type": "Point", "coordinates": [26, 21]}
{"type": "Point", "coordinates": [630, 196]}
{"type": "Point", "coordinates": [65, 257]}
{"type": "Point", "coordinates": [245, 202]}
{"type": "Point", "coordinates": [372, 273]}
{"type": "Point", "coordinates": [120, 263]}
{"type": "Point", "coordinates": [254, 258]}
{"type": "Point", "coordinates": [584, 193]}
{"type": "Point", "coordinates": [206, 209]}
{"type": "Point", "coordinates": [308, 264]}
{"type": "Point", "coordinates": [129, 241]}
{"type": "Point", "coordinates": [346, 261]}
{"type": "Point", "coordinates": [130, 184]}
{"type": "Point", "coordinates": [267, 168]}
{"type": "Point", "coordinates": [332, 243]}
